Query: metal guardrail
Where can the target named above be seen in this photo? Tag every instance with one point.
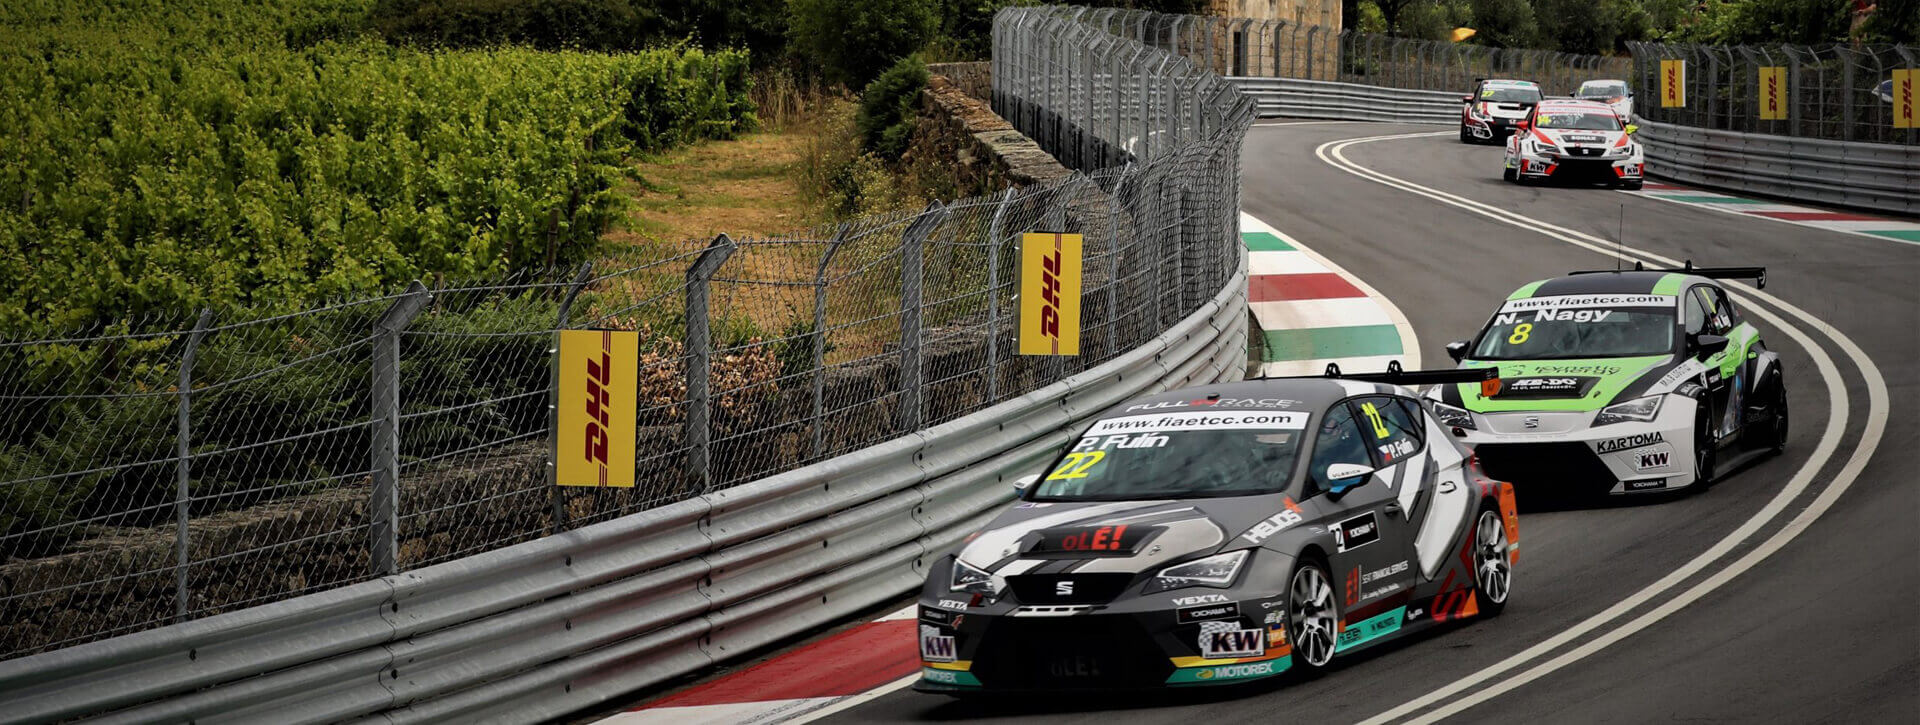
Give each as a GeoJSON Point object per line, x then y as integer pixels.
{"type": "Point", "coordinates": [623, 604]}
{"type": "Point", "coordinates": [1296, 98]}
{"type": "Point", "coordinates": [1880, 177]}
{"type": "Point", "coordinates": [1839, 92]}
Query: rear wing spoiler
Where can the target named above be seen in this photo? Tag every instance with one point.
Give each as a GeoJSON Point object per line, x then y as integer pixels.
{"type": "Point", "coordinates": [1488, 377]}
{"type": "Point", "coordinates": [1757, 274]}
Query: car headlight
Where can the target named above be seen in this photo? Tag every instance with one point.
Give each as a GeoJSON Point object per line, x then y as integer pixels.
{"type": "Point", "coordinates": [969, 579]}
{"type": "Point", "coordinates": [1214, 571]}
{"type": "Point", "coordinates": [1626, 150]}
{"type": "Point", "coordinates": [1638, 409]}
{"type": "Point", "coordinates": [1453, 416]}
{"type": "Point", "coordinates": [1541, 149]}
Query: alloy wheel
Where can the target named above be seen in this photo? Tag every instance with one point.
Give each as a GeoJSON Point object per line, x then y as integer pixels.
{"type": "Point", "coordinates": [1310, 611]}
{"type": "Point", "coordinates": [1492, 571]}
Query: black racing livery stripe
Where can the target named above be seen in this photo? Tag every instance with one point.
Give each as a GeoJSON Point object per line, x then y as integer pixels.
{"type": "Point", "coordinates": [1647, 379]}
{"type": "Point", "coordinates": [1601, 283]}
{"type": "Point", "coordinates": [1450, 394]}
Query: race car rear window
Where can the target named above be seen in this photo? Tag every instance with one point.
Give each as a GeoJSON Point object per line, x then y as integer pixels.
{"type": "Point", "coordinates": [1579, 326]}
{"type": "Point", "coordinates": [1510, 95]}
{"type": "Point", "coordinates": [1577, 120]}
{"type": "Point", "coordinates": [1178, 455]}
{"type": "Point", "coordinates": [1601, 90]}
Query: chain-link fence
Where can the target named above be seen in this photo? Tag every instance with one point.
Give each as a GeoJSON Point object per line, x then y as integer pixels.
{"type": "Point", "coordinates": [167, 469]}
{"type": "Point", "coordinates": [1836, 92]}
{"type": "Point", "coordinates": [1243, 48]}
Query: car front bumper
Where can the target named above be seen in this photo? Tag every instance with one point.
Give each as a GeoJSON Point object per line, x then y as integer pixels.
{"type": "Point", "coordinates": [1564, 451]}
{"type": "Point", "coordinates": [1579, 168]}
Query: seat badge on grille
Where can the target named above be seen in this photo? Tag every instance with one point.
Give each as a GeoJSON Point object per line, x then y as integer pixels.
{"type": "Point", "coordinates": [1531, 421]}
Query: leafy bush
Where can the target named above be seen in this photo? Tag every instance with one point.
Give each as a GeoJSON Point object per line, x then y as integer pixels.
{"type": "Point", "coordinates": [888, 107]}
{"type": "Point", "coordinates": [852, 41]}
{"type": "Point", "coordinates": [546, 24]}
{"type": "Point", "coordinates": [147, 171]}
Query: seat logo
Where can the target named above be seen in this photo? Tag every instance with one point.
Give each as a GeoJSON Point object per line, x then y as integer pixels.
{"type": "Point", "coordinates": [1531, 421]}
{"type": "Point", "coordinates": [1063, 588]}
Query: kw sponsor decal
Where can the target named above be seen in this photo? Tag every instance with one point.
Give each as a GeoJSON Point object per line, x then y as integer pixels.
{"type": "Point", "coordinates": [1632, 441]}
{"type": "Point", "coordinates": [599, 375]}
{"type": "Point", "coordinates": [1222, 420]}
{"type": "Point", "coordinates": [1196, 614]}
{"type": "Point", "coordinates": [1654, 460]}
{"type": "Point", "coordinates": [1356, 532]}
{"type": "Point", "coordinates": [935, 647]}
{"type": "Point", "coordinates": [1673, 84]}
{"type": "Point", "coordinates": [1773, 93]}
{"type": "Point", "coordinates": [1050, 294]}
{"type": "Point", "coordinates": [1233, 643]}
{"type": "Point", "coordinates": [1371, 629]}
{"type": "Point", "coordinates": [1274, 524]}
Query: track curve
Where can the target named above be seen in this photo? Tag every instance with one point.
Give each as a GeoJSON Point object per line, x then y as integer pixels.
{"type": "Point", "coordinates": [1815, 631]}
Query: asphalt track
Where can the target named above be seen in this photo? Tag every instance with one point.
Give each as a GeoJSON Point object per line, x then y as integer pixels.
{"type": "Point", "coordinates": [1824, 629]}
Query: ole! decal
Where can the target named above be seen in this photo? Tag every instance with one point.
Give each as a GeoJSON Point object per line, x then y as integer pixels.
{"type": "Point", "coordinates": [1050, 294]}
{"type": "Point", "coordinates": [599, 370]}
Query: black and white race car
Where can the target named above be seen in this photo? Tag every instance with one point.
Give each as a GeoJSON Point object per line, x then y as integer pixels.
{"type": "Point", "coordinates": [1489, 112]}
{"type": "Point", "coordinates": [1221, 534]}
{"type": "Point", "coordinates": [1574, 141]}
{"type": "Point", "coordinates": [1620, 382]}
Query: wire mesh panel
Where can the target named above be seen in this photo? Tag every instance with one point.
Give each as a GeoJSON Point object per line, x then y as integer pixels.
{"type": "Point", "coordinates": [170, 468]}
{"type": "Point", "coordinates": [1835, 92]}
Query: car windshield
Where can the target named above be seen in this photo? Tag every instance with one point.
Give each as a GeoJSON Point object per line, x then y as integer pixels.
{"type": "Point", "coordinates": [1510, 94]}
{"type": "Point", "coordinates": [1178, 455]}
{"type": "Point", "coordinates": [1579, 326]}
{"type": "Point", "coordinates": [1601, 90]}
{"type": "Point", "coordinates": [1578, 120]}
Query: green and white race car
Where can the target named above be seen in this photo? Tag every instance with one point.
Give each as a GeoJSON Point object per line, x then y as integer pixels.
{"type": "Point", "coordinates": [1619, 381]}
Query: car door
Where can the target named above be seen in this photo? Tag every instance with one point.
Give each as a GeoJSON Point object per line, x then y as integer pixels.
{"type": "Point", "coordinates": [1708, 314]}
{"type": "Point", "coordinates": [1365, 512]}
{"type": "Point", "coordinates": [1392, 427]}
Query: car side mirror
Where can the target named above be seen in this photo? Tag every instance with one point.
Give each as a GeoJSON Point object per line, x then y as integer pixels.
{"type": "Point", "coordinates": [1706, 346]}
{"type": "Point", "coordinates": [1466, 98]}
{"type": "Point", "coordinates": [1021, 484]}
{"type": "Point", "coordinates": [1522, 125]}
{"type": "Point", "coordinates": [1632, 128]}
{"type": "Point", "coordinates": [1344, 476]}
{"type": "Point", "coordinates": [1458, 349]}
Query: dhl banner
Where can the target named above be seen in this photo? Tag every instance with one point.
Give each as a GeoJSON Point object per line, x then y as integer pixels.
{"type": "Point", "coordinates": [1673, 83]}
{"type": "Point", "coordinates": [1050, 294]}
{"type": "Point", "coordinates": [1906, 98]}
{"type": "Point", "coordinates": [599, 371]}
{"type": "Point", "coordinates": [1773, 93]}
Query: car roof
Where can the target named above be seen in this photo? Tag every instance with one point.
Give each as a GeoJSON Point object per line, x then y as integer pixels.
{"type": "Point", "coordinates": [1608, 81]}
{"type": "Point", "coordinates": [1505, 82]}
{"type": "Point", "coordinates": [1561, 104]}
{"type": "Point", "coordinates": [1621, 283]}
{"type": "Point", "coordinates": [1310, 395]}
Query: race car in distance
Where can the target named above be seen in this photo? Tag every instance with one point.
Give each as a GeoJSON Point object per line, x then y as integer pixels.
{"type": "Point", "coordinates": [1488, 113]}
{"type": "Point", "coordinates": [1619, 382]}
{"type": "Point", "coordinates": [1576, 141]}
{"type": "Point", "coordinates": [1221, 534]}
{"type": "Point", "coordinates": [1614, 93]}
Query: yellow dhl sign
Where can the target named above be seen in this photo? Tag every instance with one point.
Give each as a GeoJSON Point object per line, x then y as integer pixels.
{"type": "Point", "coordinates": [599, 374]}
{"type": "Point", "coordinates": [1673, 83]}
{"type": "Point", "coordinates": [1050, 294]}
{"type": "Point", "coordinates": [1773, 93]}
{"type": "Point", "coordinates": [1906, 100]}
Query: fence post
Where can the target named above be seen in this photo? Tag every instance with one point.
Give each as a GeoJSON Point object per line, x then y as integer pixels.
{"type": "Point", "coordinates": [1793, 92]}
{"type": "Point", "coordinates": [556, 498]}
{"type": "Point", "coordinates": [698, 432]}
{"type": "Point", "coordinates": [183, 496]}
{"type": "Point", "coordinates": [1846, 94]}
{"type": "Point", "coordinates": [994, 234]}
{"type": "Point", "coordinates": [1113, 261]}
{"type": "Point", "coordinates": [384, 508]}
{"type": "Point", "coordinates": [820, 343]}
{"type": "Point", "coordinates": [913, 254]}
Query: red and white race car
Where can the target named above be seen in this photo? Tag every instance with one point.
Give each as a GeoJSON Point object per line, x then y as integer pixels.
{"type": "Point", "coordinates": [1574, 141]}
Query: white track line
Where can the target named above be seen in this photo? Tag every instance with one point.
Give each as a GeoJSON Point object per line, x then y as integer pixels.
{"type": "Point", "coordinates": [1829, 441]}
{"type": "Point", "coordinates": [856, 700]}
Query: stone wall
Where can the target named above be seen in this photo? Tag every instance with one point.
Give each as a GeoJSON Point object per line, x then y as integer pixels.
{"type": "Point", "coordinates": [961, 135]}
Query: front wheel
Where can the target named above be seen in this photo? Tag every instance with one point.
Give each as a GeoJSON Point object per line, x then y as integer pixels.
{"type": "Point", "coordinates": [1705, 451]}
{"type": "Point", "coordinates": [1312, 617]}
{"type": "Point", "coordinates": [1465, 137]}
{"type": "Point", "coordinates": [1774, 438]}
{"type": "Point", "coordinates": [1492, 563]}
{"type": "Point", "coordinates": [1630, 185]}
{"type": "Point", "coordinates": [1509, 173]}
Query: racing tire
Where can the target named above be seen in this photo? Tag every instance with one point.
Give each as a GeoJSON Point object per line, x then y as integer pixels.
{"type": "Point", "coordinates": [1630, 185]}
{"type": "Point", "coordinates": [1492, 563]}
{"type": "Point", "coordinates": [1705, 452]}
{"type": "Point", "coordinates": [1774, 437]}
{"type": "Point", "coordinates": [1509, 174]}
{"type": "Point", "coordinates": [1465, 137]}
{"type": "Point", "coordinates": [1313, 617]}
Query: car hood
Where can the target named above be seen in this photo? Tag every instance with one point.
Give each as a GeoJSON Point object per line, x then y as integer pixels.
{"type": "Point", "coordinates": [1088, 536]}
{"type": "Point", "coordinates": [1559, 385]}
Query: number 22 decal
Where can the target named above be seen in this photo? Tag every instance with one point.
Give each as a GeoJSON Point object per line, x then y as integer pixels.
{"type": "Point", "coordinates": [1076, 465]}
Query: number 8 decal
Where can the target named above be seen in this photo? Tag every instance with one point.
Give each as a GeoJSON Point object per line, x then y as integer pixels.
{"type": "Point", "coordinates": [1520, 333]}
